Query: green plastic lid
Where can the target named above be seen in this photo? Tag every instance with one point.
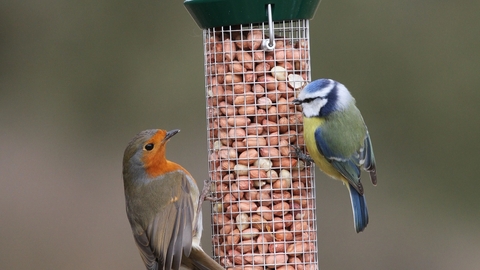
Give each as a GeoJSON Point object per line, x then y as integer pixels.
{"type": "Point", "coordinates": [214, 13]}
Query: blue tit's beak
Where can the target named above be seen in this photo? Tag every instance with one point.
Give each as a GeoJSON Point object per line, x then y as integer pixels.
{"type": "Point", "coordinates": [170, 134]}
{"type": "Point", "coordinates": [297, 101]}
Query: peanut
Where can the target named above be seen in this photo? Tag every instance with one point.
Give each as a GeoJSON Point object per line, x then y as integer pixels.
{"type": "Point", "coordinates": [275, 260]}
{"type": "Point", "coordinates": [250, 233]}
{"type": "Point", "coordinates": [245, 246]}
{"type": "Point", "coordinates": [265, 212]}
{"type": "Point", "coordinates": [257, 173]}
{"type": "Point", "coordinates": [258, 222]}
{"type": "Point", "coordinates": [264, 103]}
{"type": "Point", "coordinates": [247, 206]}
{"type": "Point", "coordinates": [232, 78]}
{"type": "Point", "coordinates": [227, 153]}
{"type": "Point", "coordinates": [279, 72]}
{"type": "Point", "coordinates": [283, 235]}
{"type": "Point", "coordinates": [248, 98]}
{"type": "Point", "coordinates": [248, 157]}
{"type": "Point", "coordinates": [236, 67]}
{"type": "Point", "coordinates": [229, 49]}
{"type": "Point", "coordinates": [254, 39]}
{"type": "Point", "coordinates": [247, 110]}
{"type": "Point", "coordinates": [254, 129]}
{"type": "Point", "coordinates": [277, 247]}
{"type": "Point", "coordinates": [254, 258]}
{"type": "Point", "coordinates": [232, 210]}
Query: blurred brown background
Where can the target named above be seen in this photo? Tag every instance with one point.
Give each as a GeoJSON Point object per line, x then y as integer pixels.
{"type": "Point", "coordinates": [79, 78]}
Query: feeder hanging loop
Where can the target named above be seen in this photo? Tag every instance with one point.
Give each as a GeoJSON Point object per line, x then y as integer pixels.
{"type": "Point", "coordinates": [269, 44]}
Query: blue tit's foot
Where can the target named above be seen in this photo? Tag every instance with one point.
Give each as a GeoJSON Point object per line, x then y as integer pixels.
{"type": "Point", "coordinates": [302, 155]}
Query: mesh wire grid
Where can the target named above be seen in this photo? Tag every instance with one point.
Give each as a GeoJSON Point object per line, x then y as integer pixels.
{"type": "Point", "coordinates": [265, 214]}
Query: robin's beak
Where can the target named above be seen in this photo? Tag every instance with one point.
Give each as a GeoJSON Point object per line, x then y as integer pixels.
{"type": "Point", "coordinates": [170, 134]}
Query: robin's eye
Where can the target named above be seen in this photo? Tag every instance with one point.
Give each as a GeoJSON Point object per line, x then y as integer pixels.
{"type": "Point", "coordinates": [149, 146]}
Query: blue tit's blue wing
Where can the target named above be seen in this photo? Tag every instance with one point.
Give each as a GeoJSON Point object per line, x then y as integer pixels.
{"type": "Point", "coordinates": [365, 157]}
{"type": "Point", "coordinates": [369, 159]}
{"type": "Point", "coordinates": [348, 166]}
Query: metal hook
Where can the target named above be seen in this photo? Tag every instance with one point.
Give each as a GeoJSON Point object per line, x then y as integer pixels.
{"type": "Point", "coordinates": [269, 44]}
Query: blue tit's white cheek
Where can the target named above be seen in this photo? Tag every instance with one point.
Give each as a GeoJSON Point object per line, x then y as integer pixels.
{"type": "Point", "coordinates": [313, 108]}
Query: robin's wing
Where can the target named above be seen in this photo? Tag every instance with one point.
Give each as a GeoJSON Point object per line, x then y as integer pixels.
{"type": "Point", "coordinates": [169, 234]}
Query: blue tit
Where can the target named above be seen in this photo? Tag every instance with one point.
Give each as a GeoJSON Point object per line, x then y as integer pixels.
{"type": "Point", "coordinates": [337, 139]}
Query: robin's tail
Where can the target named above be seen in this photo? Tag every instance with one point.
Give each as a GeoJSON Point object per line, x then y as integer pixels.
{"type": "Point", "coordinates": [201, 261]}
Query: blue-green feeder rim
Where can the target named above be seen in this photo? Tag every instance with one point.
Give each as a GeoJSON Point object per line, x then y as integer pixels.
{"type": "Point", "coordinates": [216, 13]}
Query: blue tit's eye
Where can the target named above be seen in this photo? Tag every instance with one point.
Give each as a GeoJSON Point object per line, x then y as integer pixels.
{"type": "Point", "coordinates": [149, 146]}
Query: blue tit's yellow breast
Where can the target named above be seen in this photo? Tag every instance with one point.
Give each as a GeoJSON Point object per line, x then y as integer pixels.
{"type": "Point", "coordinates": [309, 127]}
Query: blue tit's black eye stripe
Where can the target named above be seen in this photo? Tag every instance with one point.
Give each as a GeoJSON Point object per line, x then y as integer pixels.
{"type": "Point", "coordinates": [308, 100]}
{"type": "Point", "coordinates": [331, 105]}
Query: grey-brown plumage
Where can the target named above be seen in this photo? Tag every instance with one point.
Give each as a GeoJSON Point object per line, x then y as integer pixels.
{"type": "Point", "coordinates": [161, 203]}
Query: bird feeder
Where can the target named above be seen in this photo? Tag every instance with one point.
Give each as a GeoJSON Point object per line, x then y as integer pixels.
{"type": "Point", "coordinates": [257, 59]}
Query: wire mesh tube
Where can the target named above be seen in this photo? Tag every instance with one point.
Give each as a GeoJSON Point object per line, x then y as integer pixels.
{"type": "Point", "coordinates": [265, 214]}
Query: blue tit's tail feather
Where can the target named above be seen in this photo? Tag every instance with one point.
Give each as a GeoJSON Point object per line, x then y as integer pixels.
{"type": "Point", "coordinates": [359, 208]}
